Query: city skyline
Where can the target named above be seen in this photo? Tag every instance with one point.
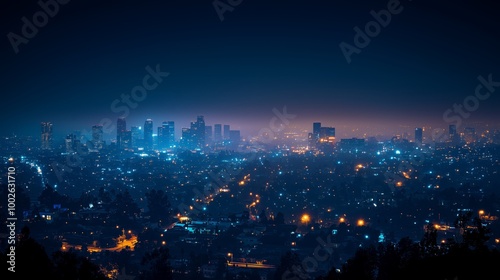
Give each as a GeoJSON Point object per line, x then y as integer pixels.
{"type": "Point", "coordinates": [200, 134]}
{"type": "Point", "coordinates": [111, 130]}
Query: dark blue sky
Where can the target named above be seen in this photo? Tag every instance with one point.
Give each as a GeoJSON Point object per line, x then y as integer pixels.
{"type": "Point", "coordinates": [263, 55]}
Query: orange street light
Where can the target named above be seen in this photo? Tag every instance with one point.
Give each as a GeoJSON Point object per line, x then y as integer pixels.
{"type": "Point", "coordinates": [305, 219]}
{"type": "Point", "coordinates": [361, 222]}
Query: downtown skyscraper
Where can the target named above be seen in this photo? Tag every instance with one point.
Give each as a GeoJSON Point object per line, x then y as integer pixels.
{"type": "Point", "coordinates": [46, 135]}
{"type": "Point", "coordinates": [194, 136]}
{"type": "Point", "coordinates": [97, 137]}
{"type": "Point", "coordinates": [148, 134]}
{"type": "Point", "coordinates": [166, 135]}
{"type": "Point", "coordinates": [199, 128]}
{"type": "Point", "coordinates": [121, 128]}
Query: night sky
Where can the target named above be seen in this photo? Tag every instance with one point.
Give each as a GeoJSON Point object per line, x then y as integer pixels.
{"type": "Point", "coordinates": [262, 55]}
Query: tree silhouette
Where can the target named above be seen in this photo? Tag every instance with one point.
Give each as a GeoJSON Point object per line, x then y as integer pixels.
{"type": "Point", "coordinates": [388, 262]}
{"type": "Point", "coordinates": [473, 234]}
{"type": "Point", "coordinates": [289, 267]}
{"type": "Point", "coordinates": [49, 196]}
{"type": "Point", "coordinates": [158, 205]}
{"type": "Point", "coordinates": [85, 200]}
{"type": "Point", "coordinates": [280, 219]}
{"type": "Point", "coordinates": [332, 275]}
{"type": "Point", "coordinates": [125, 208]}
{"type": "Point", "coordinates": [69, 265]}
{"type": "Point", "coordinates": [263, 217]}
{"type": "Point", "coordinates": [429, 241]}
{"type": "Point", "coordinates": [464, 258]}
{"type": "Point", "coordinates": [362, 266]}
{"type": "Point", "coordinates": [156, 265]}
{"type": "Point", "coordinates": [104, 196]}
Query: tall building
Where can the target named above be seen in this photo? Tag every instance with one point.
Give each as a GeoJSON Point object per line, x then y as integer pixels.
{"type": "Point", "coordinates": [162, 135]}
{"type": "Point", "coordinates": [218, 132]}
{"type": "Point", "coordinates": [186, 138]}
{"type": "Point", "coordinates": [322, 137]}
{"type": "Point", "coordinates": [194, 136]}
{"type": "Point", "coordinates": [326, 132]}
{"type": "Point", "coordinates": [200, 136]}
{"type": "Point", "coordinates": [198, 132]}
{"type": "Point", "coordinates": [148, 134]}
{"type": "Point", "coordinates": [227, 128]}
{"type": "Point", "coordinates": [419, 135]}
{"type": "Point", "coordinates": [171, 133]}
{"type": "Point", "coordinates": [316, 130]}
{"type": "Point", "coordinates": [97, 137]}
{"type": "Point", "coordinates": [121, 127]}
{"type": "Point", "coordinates": [46, 135]}
{"type": "Point", "coordinates": [136, 136]}
{"type": "Point", "coordinates": [166, 135]}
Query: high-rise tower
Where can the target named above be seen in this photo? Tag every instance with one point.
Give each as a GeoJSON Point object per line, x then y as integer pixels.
{"type": "Point", "coordinates": [121, 128]}
{"type": "Point", "coordinates": [316, 130]}
{"type": "Point", "coordinates": [46, 135]}
{"type": "Point", "coordinates": [97, 136]}
{"type": "Point", "coordinates": [148, 134]}
{"type": "Point", "coordinates": [227, 128]}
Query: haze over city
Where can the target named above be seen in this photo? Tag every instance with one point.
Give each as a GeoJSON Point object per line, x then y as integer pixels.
{"type": "Point", "coordinates": [250, 140]}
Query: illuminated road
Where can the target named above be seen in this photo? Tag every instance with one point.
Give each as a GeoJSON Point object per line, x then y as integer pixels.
{"type": "Point", "coordinates": [121, 245]}
{"type": "Point", "coordinates": [249, 265]}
